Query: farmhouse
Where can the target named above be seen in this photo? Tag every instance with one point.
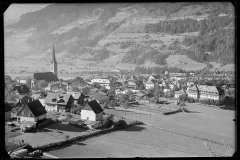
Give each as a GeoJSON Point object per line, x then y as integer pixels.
{"type": "Point", "coordinates": [58, 102]}
{"type": "Point", "coordinates": [33, 111]}
{"type": "Point", "coordinates": [149, 84]}
{"type": "Point", "coordinates": [147, 98]}
{"type": "Point", "coordinates": [92, 111]}
{"type": "Point", "coordinates": [20, 89]}
{"type": "Point", "coordinates": [7, 111]}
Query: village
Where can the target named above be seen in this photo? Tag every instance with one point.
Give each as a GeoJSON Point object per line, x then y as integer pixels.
{"type": "Point", "coordinates": [47, 111]}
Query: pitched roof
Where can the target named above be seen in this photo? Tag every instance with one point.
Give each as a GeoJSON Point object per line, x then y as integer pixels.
{"type": "Point", "coordinates": [94, 106]}
{"type": "Point", "coordinates": [36, 95]}
{"type": "Point", "coordinates": [194, 88]}
{"type": "Point", "coordinates": [208, 88]}
{"type": "Point", "coordinates": [21, 88]}
{"type": "Point", "coordinates": [149, 95]}
{"type": "Point", "coordinates": [99, 97]}
{"type": "Point", "coordinates": [57, 98]}
{"type": "Point", "coordinates": [149, 82]}
{"type": "Point", "coordinates": [131, 83]}
{"type": "Point", "coordinates": [47, 76]}
{"type": "Point", "coordinates": [35, 107]}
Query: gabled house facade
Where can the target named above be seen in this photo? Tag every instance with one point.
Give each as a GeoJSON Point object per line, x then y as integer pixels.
{"type": "Point", "coordinates": [149, 84]}
{"type": "Point", "coordinates": [59, 102]}
{"type": "Point", "coordinates": [33, 112]}
{"type": "Point", "coordinates": [92, 111]}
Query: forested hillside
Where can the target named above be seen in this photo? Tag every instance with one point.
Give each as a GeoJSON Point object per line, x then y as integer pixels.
{"type": "Point", "coordinates": [135, 33]}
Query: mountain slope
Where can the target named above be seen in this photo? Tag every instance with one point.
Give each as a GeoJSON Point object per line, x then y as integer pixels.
{"type": "Point", "coordinates": [127, 34]}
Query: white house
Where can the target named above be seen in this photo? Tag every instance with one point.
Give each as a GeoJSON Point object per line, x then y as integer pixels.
{"type": "Point", "coordinates": [209, 92]}
{"type": "Point", "coordinates": [149, 84]}
{"type": "Point", "coordinates": [92, 111]}
{"type": "Point", "coordinates": [33, 112]}
{"type": "Point", "coordinates": [193, 92]}
{"type": "Point", "coordinates": [100, 81]}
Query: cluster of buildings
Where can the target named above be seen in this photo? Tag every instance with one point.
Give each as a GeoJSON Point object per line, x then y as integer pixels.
{"type": "Point", "coordinates": [62, 96]}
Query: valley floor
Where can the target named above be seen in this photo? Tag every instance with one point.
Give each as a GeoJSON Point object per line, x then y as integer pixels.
{"type": "Point", "coordinates": [181, 134]}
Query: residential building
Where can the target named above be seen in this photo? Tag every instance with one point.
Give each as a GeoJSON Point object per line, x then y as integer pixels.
{"type": "Point", "coordinates": [209, 92]}
{"type": "Point", "coordinates": [101, 81]}
{"type": "Point", "coordinates": [178, 93]}
{"type": "Point", "coordinates": [59, 102]}
{"type": "Point", "coordinates": [147, 98]}
{"type": "Point", "coordinates": [193, 92]}
{"type": "Point", "coordinates": [33, 112]}
{"type": "Point", "coordinates": [57, 87]}
{"type": "Point", "coordinates": [92, 111]}
{"type": "Point", "coordinates": [131, 85]}
{"type": "Point", "coordinates": [149, 84]}
{"type": "Point", "coordinates": [100, 98]}
{"type": "Point", "coordinates": [20, 89]}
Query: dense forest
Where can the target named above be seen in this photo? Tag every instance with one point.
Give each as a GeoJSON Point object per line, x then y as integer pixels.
{"type": "Point", "coordinates": [216, 35]}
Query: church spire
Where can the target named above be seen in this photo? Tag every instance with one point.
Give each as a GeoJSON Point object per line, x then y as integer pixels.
{"type": "Point", "coordinates": [53, 55]}
{"type": "Point", "coordinates": [54, 62]}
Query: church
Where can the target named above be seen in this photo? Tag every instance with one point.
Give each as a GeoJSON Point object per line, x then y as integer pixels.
{"type": "Point", "coordinates": [47, 76]}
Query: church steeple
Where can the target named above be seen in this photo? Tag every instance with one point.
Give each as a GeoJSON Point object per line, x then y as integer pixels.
{"type": "Point", "coordinates": [53, 55]}
{"type": "Point", "coordinates": [54, 62]}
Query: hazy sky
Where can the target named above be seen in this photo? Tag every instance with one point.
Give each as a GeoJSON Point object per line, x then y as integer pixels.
{"type": "Point", "coordinates": [15, 10]}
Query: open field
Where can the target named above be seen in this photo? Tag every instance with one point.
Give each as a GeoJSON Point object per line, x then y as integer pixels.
{"type": "Point", "coordinates": [180, 134]}
{"type": "Point", "coordinates": [49, 135]}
